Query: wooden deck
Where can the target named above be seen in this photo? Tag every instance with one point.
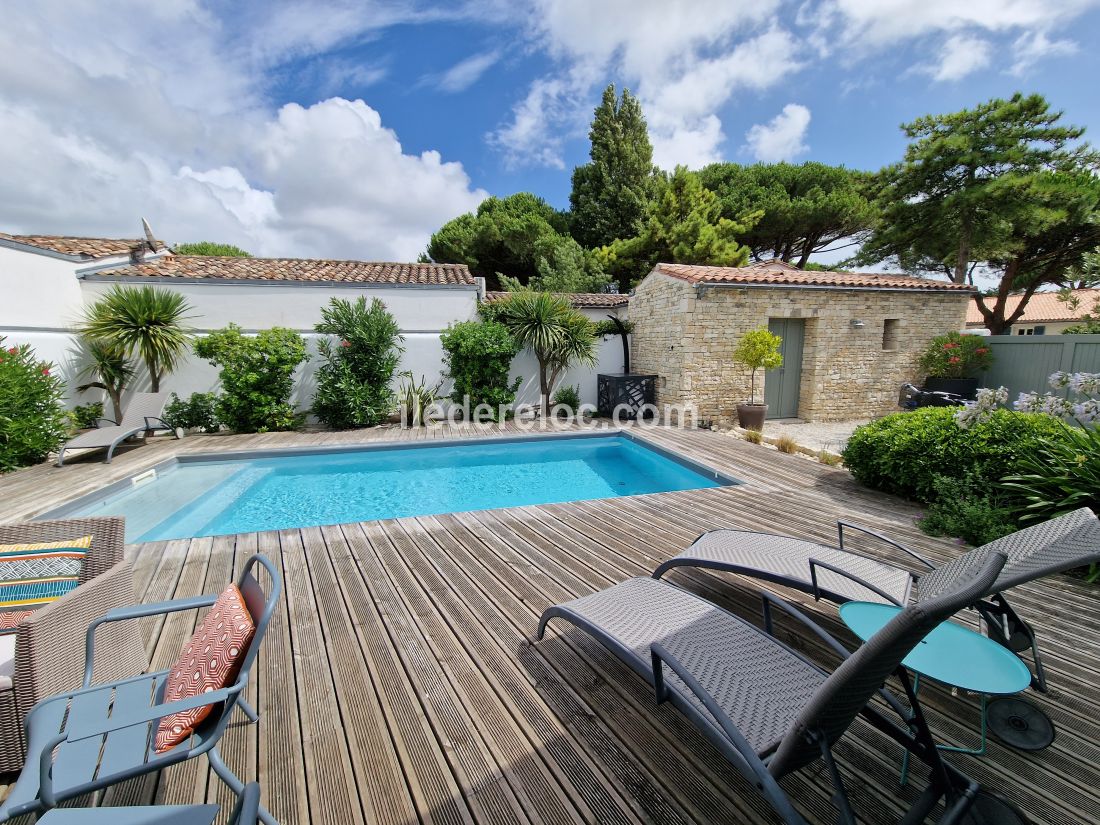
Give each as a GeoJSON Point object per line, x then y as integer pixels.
{"type": "Point", "coordinates": [399, 682]}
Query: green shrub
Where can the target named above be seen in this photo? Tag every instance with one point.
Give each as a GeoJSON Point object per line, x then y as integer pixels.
{"type": "Point", "coordinates": [955, 355]}
{"type": "Point", "coordinates": [965, 509]}
{"type": "Point", "coordinates": [257, 376]}
{"type": "Point", "coordinates": [1060, 475]}
{"type": "Point", "coordinates": [415, 399]}
{"type": "Point", "coordinates": [32, 419]}
{"type": "Point", "coordinates": [904, 453]}
{"type": "Point", "coordinates": [199, 412]}
{"type": "Point", "coordinates": [478, 356]}
{"type": "Point", "coordinates": [85, 416]}
{"type": "Point", "coordinates": [354, 382]}
{"type": "Point", "coordinates": [567, 396]}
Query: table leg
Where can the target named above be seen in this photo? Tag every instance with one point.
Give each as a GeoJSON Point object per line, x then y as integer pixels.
{"type": "Point", "coordinates": [979, 751]}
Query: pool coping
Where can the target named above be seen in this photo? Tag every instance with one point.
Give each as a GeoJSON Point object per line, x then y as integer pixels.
{"type": "Point", "coordinates": [69, 508]}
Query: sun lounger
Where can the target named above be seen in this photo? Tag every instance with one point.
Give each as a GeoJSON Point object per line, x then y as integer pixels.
{"type": "Point", "coordinates": [142, 414]}
{"type": "Point", "coordinates": [769, 709]}
{"type": "Point", "coordinates": [839, 574]}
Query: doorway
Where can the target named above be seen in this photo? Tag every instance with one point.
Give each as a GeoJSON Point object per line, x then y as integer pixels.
{"type": "Point", "coordinates": [781, 385]}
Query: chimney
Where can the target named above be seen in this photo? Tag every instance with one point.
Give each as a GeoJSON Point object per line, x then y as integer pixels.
{"type": "Point", "coordinates": [137, 252]}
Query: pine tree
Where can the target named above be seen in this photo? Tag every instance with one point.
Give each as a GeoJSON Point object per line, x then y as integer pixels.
{"type": "Point", "coordinates": [610, 194]}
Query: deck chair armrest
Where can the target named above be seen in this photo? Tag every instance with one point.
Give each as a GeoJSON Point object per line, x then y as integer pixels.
{"type": "Point", "coordinates": [841, 524]}
{"type": "Point", "coordinates": [840, 571]}
{"type": "Point", "coordinates": [140, 611]}
{"type": "Point", "coordinates": [740, 752]}
{"type": "Point", "coordinates": [99, 422]}
{"type": "Point", "coordinates": [151, 422]}
{"type": "Point", "coordinates": [828, 638]}
{"type": "Point", "coordinates": [76, 731]}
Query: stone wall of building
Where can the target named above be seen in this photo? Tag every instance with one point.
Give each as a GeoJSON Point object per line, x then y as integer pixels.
{"type": "Point", "coordinates": [686, 335]}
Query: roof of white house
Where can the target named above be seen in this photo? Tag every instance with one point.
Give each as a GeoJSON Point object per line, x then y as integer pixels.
{"type": "Point", "coordinates": [85, 248]}
{"type": "Point", "coordinates": [1043, 306]}
{"type": "Point", "coordinates": [779, 273]}
{"type": "Point", "coordinates": [309, 270]}
{"type": "Point", "coordinates": [578, 299]}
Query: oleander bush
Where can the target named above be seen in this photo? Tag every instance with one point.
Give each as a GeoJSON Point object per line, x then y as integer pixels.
{"type": "Point", "coordinates": [199, 412]}
{"type": "Point", "coordinates": [257, 376]}
{"type": "Point", "coordinates": [479, 355]}
{"type": "Point", "coordinates": [906, 453]}
{"type": "Point", "coordinates": [355, 382]}
{"type": "Point", "coordinates": [968, 509]}
{"type": "Point", "coordinates": [33, 421]}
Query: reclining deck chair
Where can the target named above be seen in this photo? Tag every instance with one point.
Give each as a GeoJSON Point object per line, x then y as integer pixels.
{"type": "Point", "coordinates": [100, 735]}
{"type": "Point", "coordinates": [142, 415]}
{"type": "Point", "coordinates": [767, 708]}
{"type": "Point", "coordinates": [245, 812]}
{"type": "Point", "coordinates": [838, 574]}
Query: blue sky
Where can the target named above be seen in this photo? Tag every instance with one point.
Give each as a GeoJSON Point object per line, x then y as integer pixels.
{"type": "Point", "coordinates": [353, 129]}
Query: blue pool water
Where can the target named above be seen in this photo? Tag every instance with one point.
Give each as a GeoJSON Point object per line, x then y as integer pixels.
{"type": "Point", "coordinates": [210, 498]}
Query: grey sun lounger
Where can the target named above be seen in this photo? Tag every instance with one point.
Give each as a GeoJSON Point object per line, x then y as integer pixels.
{"type": "Point", "coordinates": [840, 575]}
{"type": "Point", "coordinates": [142, 414]}
{"type": "Point", "coordinates": [769, 709]}
{"type": "Point", "coordinates": [245, 812]}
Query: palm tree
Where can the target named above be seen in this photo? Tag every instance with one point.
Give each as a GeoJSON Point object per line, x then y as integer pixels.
{"type": "Point", "coordinates": [110, 371]}
{"type": "Point", "coordinates": [141, 320]}
{"type": "Point", "coordinates": [558, 335]}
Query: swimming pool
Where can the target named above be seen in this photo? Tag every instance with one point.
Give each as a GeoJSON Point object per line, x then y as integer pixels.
{"type": "Point", "coordinates": [214, 495]}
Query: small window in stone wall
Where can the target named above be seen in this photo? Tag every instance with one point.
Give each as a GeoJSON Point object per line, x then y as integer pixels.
{"type": "Point", "coordinates": [891, 327]}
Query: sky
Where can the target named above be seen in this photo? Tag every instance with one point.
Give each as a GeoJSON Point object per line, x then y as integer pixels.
{"type": "Point", "coordinates": [355, 129]}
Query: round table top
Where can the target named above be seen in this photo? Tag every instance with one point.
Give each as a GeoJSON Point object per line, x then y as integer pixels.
{"type": "Point", "coordinates": [951, 653]}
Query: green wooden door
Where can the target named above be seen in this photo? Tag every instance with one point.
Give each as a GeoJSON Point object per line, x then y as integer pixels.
{"type": "Point", "coordinates": [781, 385]}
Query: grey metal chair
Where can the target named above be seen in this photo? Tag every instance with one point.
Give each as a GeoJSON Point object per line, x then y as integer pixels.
{"type": "Point", "coordinates": [100, 735]}
{"type": "Point", "coordinates": [143, 414]}
{"type": "Point", "coordinates": [245, 812]}
{"type": "Point", "coordinates": [839, 574]}
{"type": "Point", "coordinates": [768, 709]}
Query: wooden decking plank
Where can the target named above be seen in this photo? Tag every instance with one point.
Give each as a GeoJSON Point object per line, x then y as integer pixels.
{"type": "Point", "coordinates": [280, 760]}
{"type": "Point", "coordinates": [505, 764]}
{"type": "Point", "coordinates": [330, 786]}
{"type": "Point", "coordinates": [431, 785]}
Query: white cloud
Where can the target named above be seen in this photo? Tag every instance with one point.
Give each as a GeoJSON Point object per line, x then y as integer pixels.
{"type": "Point", "coordinates": [156, 110]}
{"type": "Point", "coordinates": [466, 73]}
{"type": "Point", "coordinates": [682, 66]}
{"type": "Point", "coordinates": [960, 55]}
{"type": "Point", "coordinates": [1030, 48]}
{"type": "Point", "coordinates": [781, 138]}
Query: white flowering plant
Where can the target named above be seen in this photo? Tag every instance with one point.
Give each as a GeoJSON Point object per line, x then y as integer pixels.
{"type": "Point", "coordinates": [1082, 404]}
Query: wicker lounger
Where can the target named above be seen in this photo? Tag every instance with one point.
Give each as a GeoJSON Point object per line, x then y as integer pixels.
{"type": "Point", "coordinates": [770, 710]}
{"type": "Point", "coordinates": [142, 414]}
{"type": "Point", "coordinates": [838, 574]}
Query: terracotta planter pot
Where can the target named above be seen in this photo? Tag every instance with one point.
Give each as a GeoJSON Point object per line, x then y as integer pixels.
{"type": "Point", "coordinates": [751, 416]}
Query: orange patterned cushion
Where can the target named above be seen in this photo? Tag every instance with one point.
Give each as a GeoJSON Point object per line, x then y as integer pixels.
{"type": "Point", "coordinates": [210, 660]}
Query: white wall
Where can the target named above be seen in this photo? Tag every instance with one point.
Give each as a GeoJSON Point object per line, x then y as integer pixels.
{"type": "Point", "coordinates": [44, 298]}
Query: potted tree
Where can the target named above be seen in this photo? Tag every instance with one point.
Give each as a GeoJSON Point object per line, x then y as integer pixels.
{"type": "Point", "coordinates": [953, 362]}
{"type": "Point", "coordinates": [758, 348]}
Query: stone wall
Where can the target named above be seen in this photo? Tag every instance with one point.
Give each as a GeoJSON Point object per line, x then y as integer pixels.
{"type": "Point", "coordinates": [686, 334]}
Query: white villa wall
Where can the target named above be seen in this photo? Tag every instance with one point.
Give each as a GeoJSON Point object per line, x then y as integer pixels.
{"type": "Point", "coordinates": [44, 298]}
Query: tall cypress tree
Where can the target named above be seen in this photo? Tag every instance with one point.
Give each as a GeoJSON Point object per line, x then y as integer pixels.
{"type": "Point", "coordinates": [609, 195]}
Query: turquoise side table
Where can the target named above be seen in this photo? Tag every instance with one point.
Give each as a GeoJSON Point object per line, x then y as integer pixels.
{"type": "Point", "coordinates": [951, 654]}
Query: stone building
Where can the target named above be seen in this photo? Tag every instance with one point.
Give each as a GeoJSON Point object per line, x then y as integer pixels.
{"type": "Point", "coordinates": [849, 339]}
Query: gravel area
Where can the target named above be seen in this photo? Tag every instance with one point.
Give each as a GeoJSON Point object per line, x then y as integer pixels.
{"type": "Point", "coordinates": [817, 436]}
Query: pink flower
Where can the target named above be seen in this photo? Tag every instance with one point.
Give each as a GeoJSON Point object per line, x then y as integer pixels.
{"type": "Point", "coordinates": [345, 343]}
{"type": "Point", "coordinates": [45, 370]}
{"type": "Point", "coordinates": [954, 359]}
{"type": "Point", "coordinates": [981, 350]}
{"type": "Point", "coordinates": [12, 351]}
{"type": "Point", "coordinates": [950, 345]}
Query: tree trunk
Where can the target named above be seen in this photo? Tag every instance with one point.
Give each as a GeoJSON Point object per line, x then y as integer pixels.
{"type": "Point", "coordinates": [116, 403]}
{"type": "Point", "coordinates": [154, 380]}
{"type": "Point", "coordinates": [807, 250]}
{"type": "Point", "coordinates": [962, 257]}
{"type": "Point", "coordinates": [544, 388]}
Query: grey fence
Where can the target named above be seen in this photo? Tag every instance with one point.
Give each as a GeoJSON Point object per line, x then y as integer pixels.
{"type": "Point", "coordinates": [1023, 363]}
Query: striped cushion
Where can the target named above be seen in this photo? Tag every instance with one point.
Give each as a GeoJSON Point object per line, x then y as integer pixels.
{"type": "Point", "coordinates": [32, 575]}
{"type": "Point", "coordinates": [210, 660]}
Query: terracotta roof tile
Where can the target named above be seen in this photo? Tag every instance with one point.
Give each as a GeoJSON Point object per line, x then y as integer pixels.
{"type": "Point", "coordinates": [783, 274]}
{"type": "Point", "coordinates": [88, 248]}
{"type": "Point", "coordinates": [578, 299]}
{"type": "Point", "coordinates": [296, 269]}
{"type": "Point", "coordinates": [1043, 306]}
